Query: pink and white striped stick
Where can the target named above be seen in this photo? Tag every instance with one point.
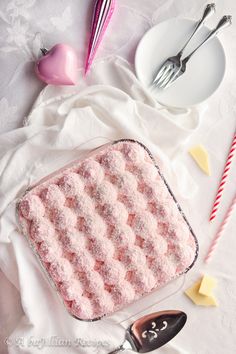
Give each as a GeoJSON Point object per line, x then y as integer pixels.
{"type": "Point", "coordinates": [223, 179]}
{"type": "Point", "coordinates": [220, 231]}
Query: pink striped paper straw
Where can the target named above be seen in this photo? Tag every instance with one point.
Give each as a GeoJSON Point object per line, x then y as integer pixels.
{"type": "Point", "coordinates": [220, 231]}
{"type": "Point", "coordinates": [223, 179]}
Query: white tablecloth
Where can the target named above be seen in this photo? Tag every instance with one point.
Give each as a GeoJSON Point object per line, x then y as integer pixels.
{"type": "Point", "coordinates": [208, 330]}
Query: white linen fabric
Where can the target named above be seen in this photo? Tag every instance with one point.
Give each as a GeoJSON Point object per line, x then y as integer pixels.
{"type": "Point", "coordinates": [63, 123]}
{"type": "Point", "coordinates": [26, 25]}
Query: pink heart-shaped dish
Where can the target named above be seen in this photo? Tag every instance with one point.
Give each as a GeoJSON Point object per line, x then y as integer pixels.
{"type": "Point", "coordinates": [58, 66]}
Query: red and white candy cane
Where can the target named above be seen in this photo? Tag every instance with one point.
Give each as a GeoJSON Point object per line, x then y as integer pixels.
{"type": "Point", "coordinates": [220, 231]}
{"type": "Point", "coordinates": [223, 179]}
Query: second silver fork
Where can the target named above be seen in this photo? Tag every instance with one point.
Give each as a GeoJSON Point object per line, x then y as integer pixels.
{"type": "Point", "coordinates": [171, 66]}
{"type": "Point", "coordinates": [224, 22]}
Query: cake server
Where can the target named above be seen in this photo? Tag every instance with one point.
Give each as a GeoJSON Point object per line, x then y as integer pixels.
{"type": "Point", "coordinates": [152, 331]}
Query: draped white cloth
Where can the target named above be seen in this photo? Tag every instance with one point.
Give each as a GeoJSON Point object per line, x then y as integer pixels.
{"type": "Point", "coordinates": [64, 122]}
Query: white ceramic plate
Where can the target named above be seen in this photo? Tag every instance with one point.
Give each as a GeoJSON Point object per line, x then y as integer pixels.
{"type": "Point", "coordinates": [205, 70]}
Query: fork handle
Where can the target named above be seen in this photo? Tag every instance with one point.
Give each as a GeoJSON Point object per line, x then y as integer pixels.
{"type": "Point", "coordinates": [225, 21]}
{"type": "Point", "coordinates": [209, 10]}
{"type": "Point", "coordinates": [117, 350]}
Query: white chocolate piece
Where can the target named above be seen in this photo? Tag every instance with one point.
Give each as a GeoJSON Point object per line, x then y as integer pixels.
{"type": "Point", "coordinates": [207, 285]}
{"type": "Point", "coordinates": [197, 298]}
{"type": "Point", "coordinates": [201, 157]}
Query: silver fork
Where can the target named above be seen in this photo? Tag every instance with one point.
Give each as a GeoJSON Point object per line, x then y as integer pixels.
{"type": "Point", "coordinates": [171, 65]}
{"type": "Point", "coordinates": [223, 23]}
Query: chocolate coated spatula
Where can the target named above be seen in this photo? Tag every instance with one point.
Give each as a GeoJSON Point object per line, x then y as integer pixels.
{"type": "Point", "coordinates": [152, 331]}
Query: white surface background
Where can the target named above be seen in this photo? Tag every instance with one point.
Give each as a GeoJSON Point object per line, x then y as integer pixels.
{"type": "Point", "coordinates": [208, 330]}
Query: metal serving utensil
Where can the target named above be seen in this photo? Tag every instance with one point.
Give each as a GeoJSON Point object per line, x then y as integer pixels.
{"type": "Point", "coordinates": [152, 331]}
{"type": "Point", "coordinates": [172, 64]}
{"type": "Point", "coordinates": [223, 23]}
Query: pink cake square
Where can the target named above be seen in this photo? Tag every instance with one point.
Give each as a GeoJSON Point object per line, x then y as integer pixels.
{"type": "Point", "coordinates": [107, 230]}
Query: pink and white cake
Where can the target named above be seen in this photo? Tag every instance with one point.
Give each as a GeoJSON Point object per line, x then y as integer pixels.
{"type": "Point", "coordinates": [107, 230]}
